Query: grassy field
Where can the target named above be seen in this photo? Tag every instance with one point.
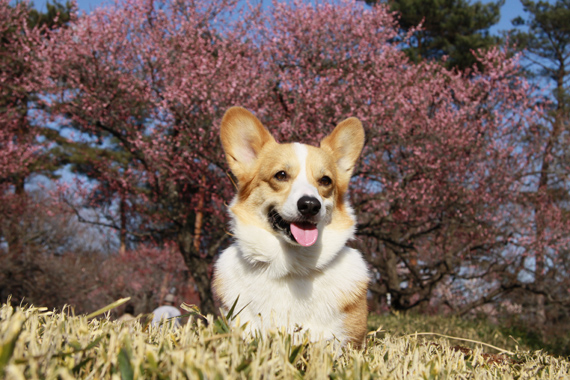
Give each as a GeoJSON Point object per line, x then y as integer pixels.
{"type": "Point", "coordinates": [38, 344]}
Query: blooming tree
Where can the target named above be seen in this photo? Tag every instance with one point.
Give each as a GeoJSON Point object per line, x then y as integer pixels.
{"type": "Point", "coordinates": [440, 189]}
{"type": "Point", "coordinates": [144, 84]}
{"type": "Point", "coordinates": [18, 77]}
{"type": "Point", "coordinates": [22, 73]}
{"type": "Point", "coordinates": [437, 191]}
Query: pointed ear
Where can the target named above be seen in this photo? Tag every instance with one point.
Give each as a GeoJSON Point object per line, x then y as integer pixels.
{"type": "Point", "coordinates": [345, 144]}
{"type": "Point", "coordinates": [243, 136]}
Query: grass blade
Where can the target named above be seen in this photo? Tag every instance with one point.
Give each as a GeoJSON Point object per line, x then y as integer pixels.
{"type": "Point", "coordinates": [9, 340]}
{"type": "Point", "coordinates": [125, 366]}
{"type": "Point", "coordinates": [108, 307]}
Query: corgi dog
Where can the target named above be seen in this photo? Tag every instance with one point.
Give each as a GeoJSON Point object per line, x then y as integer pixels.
{"type": "Point", "coordinates": [289, 264]}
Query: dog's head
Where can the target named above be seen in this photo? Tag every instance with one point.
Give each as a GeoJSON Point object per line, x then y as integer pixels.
{"type": "Point", "coordinates": [293, 190]}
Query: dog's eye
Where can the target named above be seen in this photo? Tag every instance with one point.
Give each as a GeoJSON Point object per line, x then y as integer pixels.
{"type": "Point", "coordinates": [281, 176]}
{"type": "Point", "coordinates": [325, 181]}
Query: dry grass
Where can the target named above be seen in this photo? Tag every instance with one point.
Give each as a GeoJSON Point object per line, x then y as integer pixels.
{"type": "Point", "coordinates": [39, 344]}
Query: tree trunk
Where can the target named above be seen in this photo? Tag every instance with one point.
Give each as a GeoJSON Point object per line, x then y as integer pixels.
{"type": "Point", "coordinates": [14, 236]}
{"type": "Point", "coordinates": [543, 197]}
{"type": "Point", "coordinates": [123, 231]}
{"type": "Point", "coordinates": [199, 268]}
{"type": "Point", "coordinates": [392, 280]}
{"type": "Point", "coordinates": [199, 217]}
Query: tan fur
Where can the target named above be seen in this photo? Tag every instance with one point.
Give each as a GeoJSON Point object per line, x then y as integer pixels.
{"type": "Point", "coordinates": [322, 164]}
{"type": "Point", "coordinates": [355, 307]}
{"type": "Point", "coordinates": [217, 286]}
{"type": "Point", "coordinates": [238, 125]}
{"type": "Point", "coordinates": [341, 219]}
{"type": "Point", "coordinates": [345, 144]}
{"type": "Point", "coordinates": [259, 184]}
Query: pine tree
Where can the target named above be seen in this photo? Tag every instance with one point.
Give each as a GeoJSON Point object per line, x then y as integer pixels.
{"type": "Point", "coordinates": [545, 43]}
{"type": "Point", "coordinates": [452, 28]}
{"type": "Point", "coordinates": [56, 15]}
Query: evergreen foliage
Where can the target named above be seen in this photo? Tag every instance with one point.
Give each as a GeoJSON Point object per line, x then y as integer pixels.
{"type": "Point", "coordinates": [56, 15]}
{"type": "Point", "coordinates": [452, 28]}
{"type": "Point", "coordinates": [545, 43]}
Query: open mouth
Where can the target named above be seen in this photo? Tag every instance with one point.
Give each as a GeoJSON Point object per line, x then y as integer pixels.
{"type": "Point", "coordinates": [301, 232]}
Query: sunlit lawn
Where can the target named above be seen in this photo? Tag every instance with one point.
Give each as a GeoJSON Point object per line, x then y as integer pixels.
{"type": "Point", "coordinates": [38, 344]}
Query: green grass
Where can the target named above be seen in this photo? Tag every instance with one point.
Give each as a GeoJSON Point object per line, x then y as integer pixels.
{"type": "Point", "coordinates": [39, 344]}
{"type": "Point", "coordinates": [481, 331]}
{"type": "Point", "coordinates": [512, 338]}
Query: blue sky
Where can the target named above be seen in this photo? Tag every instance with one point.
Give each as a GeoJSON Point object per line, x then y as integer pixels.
{"type": "Point", "coordinates": [510, 10]}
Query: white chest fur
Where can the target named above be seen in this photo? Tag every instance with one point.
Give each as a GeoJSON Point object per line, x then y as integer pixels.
{"type": "Point", "coordinates": [313, 301]}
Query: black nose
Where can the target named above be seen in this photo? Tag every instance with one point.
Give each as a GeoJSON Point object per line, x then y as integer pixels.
{"type": "Point", "coordinates": [308, 206]}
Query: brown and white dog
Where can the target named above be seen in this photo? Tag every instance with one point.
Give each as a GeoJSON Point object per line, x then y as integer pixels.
{"type": "Point", "coordinates": [289, 264]}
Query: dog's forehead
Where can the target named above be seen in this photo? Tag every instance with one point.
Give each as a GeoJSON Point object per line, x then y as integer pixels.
{"type": "Point", "coordinates": [295, 158]}
{"type": "Point", "coordinates": [301, 152]}
{"type": "Point", "coordinates": [310, 154]}
{"type": "Point", "coordinates": [312, 160]}
{"type": "Point", "coordinates": [278, 153]}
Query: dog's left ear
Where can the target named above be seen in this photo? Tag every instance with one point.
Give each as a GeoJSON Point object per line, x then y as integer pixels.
{"type": "Point", "coordinates": [345, 144]}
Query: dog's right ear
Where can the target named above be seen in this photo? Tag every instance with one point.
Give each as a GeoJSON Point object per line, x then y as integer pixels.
{"type": "Point", "coordinates": [243, 136]}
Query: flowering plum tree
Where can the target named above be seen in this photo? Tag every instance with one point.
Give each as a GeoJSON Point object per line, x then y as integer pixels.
{"type": "Point", "coordinates": [144, 84]}
{"type": "Point", "coordinates": [21, 74]}
{"type": "Point", "coordinates": [439, 190]}
{"type": "Point", "coordinates": [17, 77]}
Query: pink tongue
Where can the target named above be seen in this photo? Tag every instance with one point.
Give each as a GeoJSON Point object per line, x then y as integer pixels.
{"type": "Point", "coordinates": [306, 234]}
